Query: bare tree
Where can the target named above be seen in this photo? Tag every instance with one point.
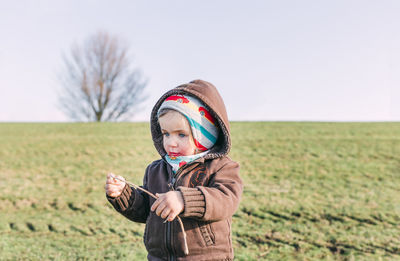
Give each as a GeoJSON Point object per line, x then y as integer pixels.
{"type": "Point", "coordinates": [98, 81]}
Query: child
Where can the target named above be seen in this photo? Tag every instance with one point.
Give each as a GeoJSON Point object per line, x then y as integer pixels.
{"type": "Point", "coordinates": [195, 178]}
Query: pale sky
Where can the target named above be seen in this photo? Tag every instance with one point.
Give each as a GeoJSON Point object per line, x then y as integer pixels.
{"type": "Point", "coordinates": [271, 60]}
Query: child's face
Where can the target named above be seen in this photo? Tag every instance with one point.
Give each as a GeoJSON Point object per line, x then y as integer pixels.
{"type": "Point", "coordinates": [177, 135]}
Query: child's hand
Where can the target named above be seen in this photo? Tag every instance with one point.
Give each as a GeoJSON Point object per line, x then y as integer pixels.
{"type": "Point", "coordinates": [168, 205]}
{"type": "Point", "coordinates": [114, 186]}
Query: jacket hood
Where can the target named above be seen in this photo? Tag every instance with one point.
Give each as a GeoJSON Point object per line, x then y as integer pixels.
{"type": "Point", "coordinates": [211, 98]}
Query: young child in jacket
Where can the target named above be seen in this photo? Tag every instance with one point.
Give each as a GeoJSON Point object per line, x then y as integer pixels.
{"type": "Point", "coordinates": [194, 178]}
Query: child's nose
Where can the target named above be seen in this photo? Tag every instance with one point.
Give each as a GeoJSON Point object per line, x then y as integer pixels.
{"type": "Point", "coordinates": [172, 142]}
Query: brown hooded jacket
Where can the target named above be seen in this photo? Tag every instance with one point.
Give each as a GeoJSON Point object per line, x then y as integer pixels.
{"type": "Point", "coordinates": [210, 186]}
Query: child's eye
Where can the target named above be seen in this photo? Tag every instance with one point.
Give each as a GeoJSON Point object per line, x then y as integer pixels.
{"type": "Point", "coordinates": [166, 134]}
{"type": "Point", "coordinates": [182, 135]}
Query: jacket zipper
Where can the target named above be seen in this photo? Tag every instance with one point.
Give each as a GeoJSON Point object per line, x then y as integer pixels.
{"type": "Point", "coordinates": [168, 241]}
{"type": "Point", "coordinates": [171, 186]}
{"type": "Point", "coordinates": [169, 224]}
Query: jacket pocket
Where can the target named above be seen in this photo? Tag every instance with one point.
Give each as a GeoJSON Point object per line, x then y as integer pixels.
{"type": "Point", "coordinates": [154, 235]}
{"type": "Point", "coordinates": [207, 233]}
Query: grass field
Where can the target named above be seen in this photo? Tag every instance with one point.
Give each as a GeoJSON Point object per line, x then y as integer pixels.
{"type": "Point", "coordinates": [313, 191]}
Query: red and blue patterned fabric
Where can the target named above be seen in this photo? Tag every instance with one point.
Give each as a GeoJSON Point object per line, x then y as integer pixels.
{"type": "Point", "coordinates": [203, 125]}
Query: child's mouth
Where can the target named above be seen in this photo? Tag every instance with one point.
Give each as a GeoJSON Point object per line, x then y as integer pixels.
{"type": "Point", "coordinates": [174, 155]}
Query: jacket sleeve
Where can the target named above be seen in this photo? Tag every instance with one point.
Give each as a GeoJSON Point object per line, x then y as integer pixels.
{"type": "Point", "coordinates": [132, 203]}
{"type": "Point", "coordinates": [219, 200]}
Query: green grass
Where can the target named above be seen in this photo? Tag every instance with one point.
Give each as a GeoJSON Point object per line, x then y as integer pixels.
{"type": "Point", "coordinates": [313, 191]}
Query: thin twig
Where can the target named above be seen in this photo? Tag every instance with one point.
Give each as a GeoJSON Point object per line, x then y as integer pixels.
{"type": "Point", "coordinates": [140, 188]}
{"type": "Point", "coordinates": [186, 250]}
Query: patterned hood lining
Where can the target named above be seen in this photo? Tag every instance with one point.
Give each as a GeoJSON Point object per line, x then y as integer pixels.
{"type": "Point", "coordinates": [213, 102]}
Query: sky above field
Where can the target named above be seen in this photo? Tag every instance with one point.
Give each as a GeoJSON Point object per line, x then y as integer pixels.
{"type": "Point", "coordinates": [271, 60]}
